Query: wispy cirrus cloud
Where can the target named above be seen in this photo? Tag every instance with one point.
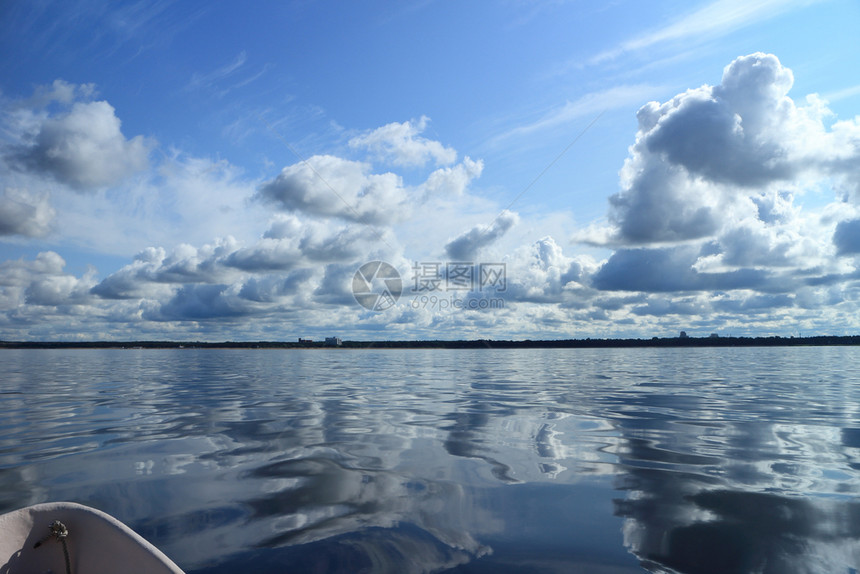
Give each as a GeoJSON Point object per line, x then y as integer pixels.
{"type": "Point", "coordinates": [710, 21]}
{"type": "Point", "coordinates": [588, 105]}
{"type": "Point", "coordinates": [219, 74]}
{"type": "Point", "coordinates": [844, 93]}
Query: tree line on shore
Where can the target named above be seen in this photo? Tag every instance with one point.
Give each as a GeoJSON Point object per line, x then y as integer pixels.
{"type": "Point", "coordinates": [712, 341]}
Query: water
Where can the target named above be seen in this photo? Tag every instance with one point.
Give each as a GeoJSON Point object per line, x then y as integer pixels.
{"type": "Point", "coordinates": [563, 460]}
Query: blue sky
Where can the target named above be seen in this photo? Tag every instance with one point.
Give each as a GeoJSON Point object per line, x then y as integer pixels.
{"type": "Point", "coordinates": [217, 170]}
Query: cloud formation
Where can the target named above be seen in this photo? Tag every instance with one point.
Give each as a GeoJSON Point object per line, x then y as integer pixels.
{"type": "Point", "coordinates": [24, 214]}
{"type": "Point", "coordinates": [714, 19]}
{"type": "Point", "coordinates": [29, 287]}
{"type": "Point", "coordinates": [722, 215]}
{"type": "Point", "coordinates": [453, 180]}
{"type": "Point", "coordinates": [847, 237]}
{"type": "Point", "coordinates": [705, 154]}
{"type": "Point", "coordinates": [708, 193]}
{"type": "Point", "coordinates": [466, 246]}
{"type": "Point", "coordinates": [401, 144]}
{"type": "Point", "coordinates": [329, 186]}
{"type": "Point", "coordinates": [670, 269]}
{"type": "Point", "coordinates": [85, 148]}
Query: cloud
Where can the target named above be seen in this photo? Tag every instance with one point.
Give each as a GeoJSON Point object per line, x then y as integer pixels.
{"type": "Point", "coordinates": [290, 242]}
{"type": "Point", "coordinates": [41, 283]}
{"type": "Point", "coordinates": [24, 214]}
{"type": "Point", "coordinates": [214, 77]}
{"type": "Point", "coordinates": [541, 272]}
{"type": "Point", "coordinates": [289, 267]}
{"type": "Point", "coordinates": [712, 20]}
{"type": "Point", "coordinates": [753, 303]}
{"type": "Point", "coordinates": [328, 186]}
{"type": "Point", "coordinates": [335, 288]}
{"type": "Point", "coordinates": [59, 91]}
{"type": "Point", "coordinates": [710, 223]}
{"type": "Point", "coordinates": [662, 204]}
{"type": "Point", "coordinates": [85, 148]}
{"type": "Point", "coordinates": [53, 137]}
{"type": "Point", "coordinates": [849, 92]}
{"type": "Point", "coordinates": [134, 280]}
{"type": "Point", "coordinates": [271, 288]}
{"type": "Point", "coordinates": [267, 255]}
{"type": "Point", "coordinates": [590, 104]}
{"type": "Point", "coordinates": [199, 303]}
{"type": "Point", "coordinates": [713, 156]}
{"type": "Point", "coordinates": [669, 269]}
{"type": "Point", "coordinates": [57, 290]}
{"type": "Point", "coordinates": [401, 144]}
{"type": "Point", "coordinates": [847, 237]}
{"type": "Point", "coordinates": [466, 246]}
{"type": "Point", "coordinates": [453, 180]}
{"type": "Point", "coordinates": [154, 270]}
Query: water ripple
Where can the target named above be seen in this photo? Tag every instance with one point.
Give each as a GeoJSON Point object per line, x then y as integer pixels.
{"type": "Point", "coordinates": [424, 460]}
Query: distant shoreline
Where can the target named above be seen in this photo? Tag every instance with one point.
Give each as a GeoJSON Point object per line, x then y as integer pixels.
{"type": "Point", "coordinates": [712, 341]}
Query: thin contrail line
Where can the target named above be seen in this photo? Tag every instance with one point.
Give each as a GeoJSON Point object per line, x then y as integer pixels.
{"type": "Point", "coordinates": [546, 169]}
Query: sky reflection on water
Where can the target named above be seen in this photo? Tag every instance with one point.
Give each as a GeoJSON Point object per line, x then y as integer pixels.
{"type": "Point", "coordinates": [605, 460]}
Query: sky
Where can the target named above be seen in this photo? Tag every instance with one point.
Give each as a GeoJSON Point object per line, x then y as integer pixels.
{"type": "Point", "coordinates": [218, 170]}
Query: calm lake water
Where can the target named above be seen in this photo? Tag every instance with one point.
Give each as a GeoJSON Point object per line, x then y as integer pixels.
{"type": "Point", "coordinates": [563, 460]}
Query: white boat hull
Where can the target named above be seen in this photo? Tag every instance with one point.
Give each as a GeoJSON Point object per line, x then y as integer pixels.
{"type": "Point", "coordinates": [97, 543]}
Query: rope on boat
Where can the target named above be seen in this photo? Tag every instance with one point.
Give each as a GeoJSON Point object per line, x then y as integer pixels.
{"type": "Point", "coordinates": [60, 532]}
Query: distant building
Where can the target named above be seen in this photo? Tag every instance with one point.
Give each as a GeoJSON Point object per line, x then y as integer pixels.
{"type": "Point", "coordinates": [333, 342]}
{"type": "Point", "coordinates": [303, 340]}
{"type": "Point", "coordinates": [683, 335]}
{"type": "Point", "coordinates": [714, 336]}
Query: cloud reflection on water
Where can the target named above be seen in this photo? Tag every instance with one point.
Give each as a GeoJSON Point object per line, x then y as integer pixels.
{"type": "Point", "coordinates": [425, 460]}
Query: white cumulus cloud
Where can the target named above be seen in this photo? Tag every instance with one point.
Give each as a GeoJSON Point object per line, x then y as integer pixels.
{"type": "Point", "coordinates": [718, 168]}
{"type": "Point", "coordinates": [85, 148]}
{"type": "Point", "coordinates": [329, 186]}
{"type": "Point", "coordinates": [401, 144]}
